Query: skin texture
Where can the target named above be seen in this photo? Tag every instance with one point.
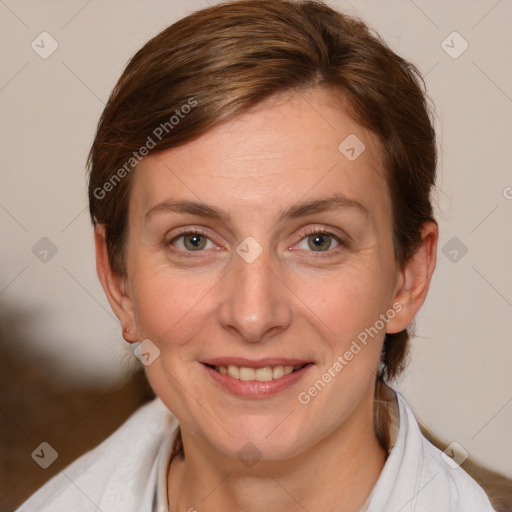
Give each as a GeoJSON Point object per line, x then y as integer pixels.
{"type": "Point", "coordinates": [291, 301]}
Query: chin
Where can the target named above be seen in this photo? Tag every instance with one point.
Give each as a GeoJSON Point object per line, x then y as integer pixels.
{"type": "Point", "coordinates": [264, 438]}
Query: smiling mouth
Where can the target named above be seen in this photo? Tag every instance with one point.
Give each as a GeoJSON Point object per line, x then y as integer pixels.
{"type": "Point", "coordinates": [263, 374]}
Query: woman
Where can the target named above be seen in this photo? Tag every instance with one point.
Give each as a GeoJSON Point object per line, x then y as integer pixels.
{"type": "Point", "coordinates": [260, 189]}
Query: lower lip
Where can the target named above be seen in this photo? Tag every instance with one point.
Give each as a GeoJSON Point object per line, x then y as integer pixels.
{"type": "Point", "coordinates": [257, 389]}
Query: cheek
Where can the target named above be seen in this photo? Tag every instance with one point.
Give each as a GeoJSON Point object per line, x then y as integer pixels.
{"type": "Point", "coordinates": [170, 305]}
{"type": "Point", "coordinates": [344, 303]}
{"type": "Point", "coordinates": [344, 308]}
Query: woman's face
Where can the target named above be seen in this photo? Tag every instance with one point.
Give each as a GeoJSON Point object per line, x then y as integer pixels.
{"type": "Point", "coordinates": [265, 244]}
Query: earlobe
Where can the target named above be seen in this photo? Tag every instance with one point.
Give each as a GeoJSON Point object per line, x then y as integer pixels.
{"type": "Point", "coordinates": [414, 280]}
{"type": "Point", "coordinates": [114, 286]}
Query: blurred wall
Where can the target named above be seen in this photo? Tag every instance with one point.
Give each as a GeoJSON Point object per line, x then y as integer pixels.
{"type": "Point", "coordinates": [53, 87]}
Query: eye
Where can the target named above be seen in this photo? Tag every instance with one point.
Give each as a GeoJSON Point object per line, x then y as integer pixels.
{"type": "Point", "coordinates": [192, 240]}
{"type": "Point", "coordinates": [318, 240]}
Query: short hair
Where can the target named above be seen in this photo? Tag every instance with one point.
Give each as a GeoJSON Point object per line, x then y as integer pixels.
{"type": "Point", "coordinates": [219, 62]}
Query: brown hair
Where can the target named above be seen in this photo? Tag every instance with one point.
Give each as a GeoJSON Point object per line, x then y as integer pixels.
{"type": "Point", "coordinates": [219, 62]}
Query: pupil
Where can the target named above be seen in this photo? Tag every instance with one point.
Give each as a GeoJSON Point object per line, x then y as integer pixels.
{"type": "Point", "coordinates": [194, 242]}
{"type": "Point", "coordinates": [320, 241]}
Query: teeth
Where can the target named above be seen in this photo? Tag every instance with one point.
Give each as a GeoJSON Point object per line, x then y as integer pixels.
{"type": "Point", "coordinates": [264, 374]}
{"type": "Point", "coordinates": [247, 374]}
{"type": "Point", "coordinates": [277, 372]}
{"type": "Point", "coordinates": [234, 371]}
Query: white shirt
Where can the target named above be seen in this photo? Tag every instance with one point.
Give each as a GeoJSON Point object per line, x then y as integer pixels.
{"type": "Point", "coordinates": [128, 472]}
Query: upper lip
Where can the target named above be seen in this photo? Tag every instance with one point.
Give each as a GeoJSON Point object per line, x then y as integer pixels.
{"type": "Point", "coordinates": [255, 363]}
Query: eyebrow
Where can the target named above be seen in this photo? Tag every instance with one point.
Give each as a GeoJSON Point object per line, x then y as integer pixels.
{"type": "Point", "coordinates": [337, 201]}
{"type": "Point", "coordinates": [302, 209]}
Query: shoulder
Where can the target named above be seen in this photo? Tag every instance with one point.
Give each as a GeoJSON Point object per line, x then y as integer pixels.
{"type": "Point", "coordinates": [117, 474]}
{"type": "Point", "coordinates": [419, 477]}
{"type": "Point", "coordinates": [449, 483]}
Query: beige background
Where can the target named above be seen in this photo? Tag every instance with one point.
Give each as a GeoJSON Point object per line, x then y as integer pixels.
{"type": "Point", "coordinates": [54, 314]}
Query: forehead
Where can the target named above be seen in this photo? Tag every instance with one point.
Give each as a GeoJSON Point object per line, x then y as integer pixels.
{"type": "Point", "coordinates": [296, 145]}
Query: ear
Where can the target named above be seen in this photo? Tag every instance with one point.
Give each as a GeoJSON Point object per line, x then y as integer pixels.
{"type": "Point", "coordinates": [114, 287]}
{"type": "Point", "coordinates": [414, 280]}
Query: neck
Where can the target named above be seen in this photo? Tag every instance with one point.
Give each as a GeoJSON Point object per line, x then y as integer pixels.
{"type": "Point", "coordinates": [337, 473]}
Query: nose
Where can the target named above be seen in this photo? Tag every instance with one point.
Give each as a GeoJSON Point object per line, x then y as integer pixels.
{"type": "Point", "coordinates": [255, 302]}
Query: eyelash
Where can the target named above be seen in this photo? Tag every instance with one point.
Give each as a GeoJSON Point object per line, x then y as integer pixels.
{"type": "Point", "coordinates": [305, 234]}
